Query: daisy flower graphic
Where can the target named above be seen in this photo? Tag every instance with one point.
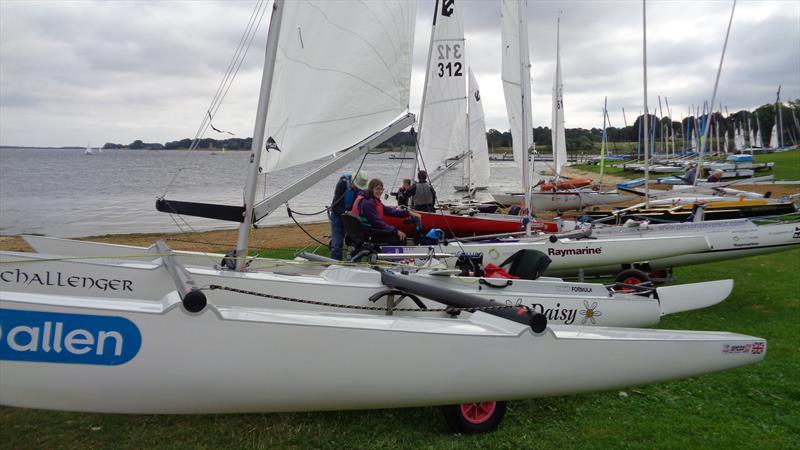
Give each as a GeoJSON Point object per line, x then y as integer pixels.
{"type": "Point", "coordinates": [589, 313]}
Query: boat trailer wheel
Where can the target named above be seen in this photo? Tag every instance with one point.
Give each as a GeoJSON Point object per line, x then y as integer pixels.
{"type": "Point", "coordinates": [632, 277]}
{"type": "Point", "coordinates": [478, 417]}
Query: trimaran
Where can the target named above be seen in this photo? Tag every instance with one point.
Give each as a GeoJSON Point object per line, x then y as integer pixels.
{"type": "Point", "coordinates": [126, 336]}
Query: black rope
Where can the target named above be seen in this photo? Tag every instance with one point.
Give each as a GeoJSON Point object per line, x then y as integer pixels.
{"type": "Point", "coordinates": [289, 211]}
{"type": "Point", "coordinates": [294, 211]}
{"type": "Point", "coordinates": [363, 308]}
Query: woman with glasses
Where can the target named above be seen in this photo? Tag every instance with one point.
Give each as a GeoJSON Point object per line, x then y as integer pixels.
{"type": "Point", "coordinates": [369, 207]}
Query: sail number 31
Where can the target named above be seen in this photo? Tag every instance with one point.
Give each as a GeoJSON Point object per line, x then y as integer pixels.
{"type": "Point", "coordinates": [450, 69]}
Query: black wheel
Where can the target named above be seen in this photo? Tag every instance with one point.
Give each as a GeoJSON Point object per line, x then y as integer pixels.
{"type": "Point", "coordinates": [632, 276]}
{"type": "Point", "coordinates": [471, 418]}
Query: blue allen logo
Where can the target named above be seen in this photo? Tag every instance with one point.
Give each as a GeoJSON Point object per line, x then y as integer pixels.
{"type": "Point", "coordinates": [67, 338]}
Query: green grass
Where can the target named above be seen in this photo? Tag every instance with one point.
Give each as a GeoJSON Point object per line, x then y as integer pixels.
{"type": "Point", "coordinates": [754, 407]}
{"type": "Point", "coordinates": [787, 164]}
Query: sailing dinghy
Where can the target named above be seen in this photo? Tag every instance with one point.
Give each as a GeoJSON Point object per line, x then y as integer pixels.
{"type": "Point", "coordinates": [93, 342]}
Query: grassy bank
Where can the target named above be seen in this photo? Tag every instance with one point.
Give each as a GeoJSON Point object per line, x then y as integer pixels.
{"type": "Point", "coordinates": [752, 407]}
{"type": "Point", "coordinates": [787, 166]}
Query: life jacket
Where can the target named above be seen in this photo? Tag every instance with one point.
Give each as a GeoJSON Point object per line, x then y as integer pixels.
{"type": "Point", "coordinates": [423, 195]}
{"type": "Point", "coordinates": [358, 210]}
{"type": "Point", "coordinates": [349, 193]}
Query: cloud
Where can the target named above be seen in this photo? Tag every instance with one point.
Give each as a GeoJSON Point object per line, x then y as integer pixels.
{"type": "Point", "coordinates": [72, 72]}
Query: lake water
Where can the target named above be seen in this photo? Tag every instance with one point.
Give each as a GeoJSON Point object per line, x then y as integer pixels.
{"type": "Point", "coordinates": [65, 193]}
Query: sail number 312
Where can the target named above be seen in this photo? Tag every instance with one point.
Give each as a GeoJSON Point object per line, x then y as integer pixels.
{"type": "Point", "coordinates": [449, 69]}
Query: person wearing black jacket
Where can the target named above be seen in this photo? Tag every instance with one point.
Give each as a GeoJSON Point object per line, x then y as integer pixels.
{"type": "Point", "coordinates": [343, 196]}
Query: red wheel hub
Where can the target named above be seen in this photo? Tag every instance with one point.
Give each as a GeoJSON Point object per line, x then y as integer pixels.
{"type": "Point", "coordinates": [632, 280]}
{"type": "Point", "coordinates": [477, 413]}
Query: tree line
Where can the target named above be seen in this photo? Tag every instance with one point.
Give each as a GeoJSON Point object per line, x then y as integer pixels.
{"type": "Point", "coordinates": [576, 138]}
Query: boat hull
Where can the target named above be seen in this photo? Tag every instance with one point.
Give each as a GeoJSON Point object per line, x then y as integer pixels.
{"type": "Point", "coordinates": [569, 254]}
{"type": "Point", "coordinates": [730, 239]}
{"type": "Point", "coordinates": [455, 225]}
{"type": "Point", "coordinates": [235, 360]}
{"type": "Point", "coordinates": [565, 200]}
{"type": "Point", "coordinates": [561, 302]}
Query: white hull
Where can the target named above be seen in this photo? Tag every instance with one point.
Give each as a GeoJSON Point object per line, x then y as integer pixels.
{"type": "Point", "coordinates": [562, 302]}
{"type": "Point", "coordinates": [575, 254]}
{"type": "Point", "coordinates": [564, 200]}
{"type": "Point", "coordinates": [233, 359]}
{"type": "Point", "coordinates": [728, 239]}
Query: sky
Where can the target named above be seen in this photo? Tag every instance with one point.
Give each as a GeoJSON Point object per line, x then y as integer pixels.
{"type": "Point", "coordinates": [78, 72]}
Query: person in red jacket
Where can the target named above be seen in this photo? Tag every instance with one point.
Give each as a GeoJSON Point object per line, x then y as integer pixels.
{"type": "Point", "coordinates": [369, 207]}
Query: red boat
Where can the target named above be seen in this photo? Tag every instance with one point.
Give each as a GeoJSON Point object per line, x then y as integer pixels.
{"type": "Point", "coordinates": [563, 184]}
{"type": "Point", "coordinates": [463, 225]}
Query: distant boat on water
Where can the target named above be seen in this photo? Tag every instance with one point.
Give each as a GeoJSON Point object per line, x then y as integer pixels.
{"type": "Point", "coordinates": [88, 150]}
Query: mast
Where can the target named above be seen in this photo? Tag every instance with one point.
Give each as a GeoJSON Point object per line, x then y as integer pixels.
{"type": "Point", "coordinates": [646, 111]}
{"type": "Point", "coordinates": [258, 134]}
{"type": "Point", "coordinates": [716, 82]}
{"type": "Point", "coordinates": [557, 126]}
{"type": "Point", "coordinates": [418, 152]}
{"type": "Point", "coordinates": [780, 118]}
{"type": "Point", "coordinates": [525, 82]}
{"type": "Point", "coordinates": [671, 128]}
{"type": "Point", "coordinates": [603, 141]}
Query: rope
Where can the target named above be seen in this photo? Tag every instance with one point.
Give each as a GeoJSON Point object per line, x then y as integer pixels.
{"type": "Point", "coordinates": [360, 307]}
{"type": "Point", "coordinates": [289, 211]}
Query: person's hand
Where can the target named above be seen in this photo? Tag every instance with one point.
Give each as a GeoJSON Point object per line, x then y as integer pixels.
{"type": "Point", "coordinates": [401, 235]}
{"type": "Point", "coordinates": [415, 214]}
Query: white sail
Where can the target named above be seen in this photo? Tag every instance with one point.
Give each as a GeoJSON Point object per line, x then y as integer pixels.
{"type": "Point", "coordinates": [759, 142]}
{"type": "Point", "coordinates": [479, 158]}
{"type": "Point", "coordinates": [518, 103]}
{"type": "Point", "coordinates": [752, 135]}
{"type": "Point", "coordinates": [325, 99]}
{"type": "Point", "coordinates": [558, 126]}
{"type": "Point", "coordinates": [773, 139]}
{"type": "Point", "coordinates": [442, 129]}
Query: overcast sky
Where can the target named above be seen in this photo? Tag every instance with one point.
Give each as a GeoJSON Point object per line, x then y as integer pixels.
{"type": "Point", "coordinates": [73, 72]}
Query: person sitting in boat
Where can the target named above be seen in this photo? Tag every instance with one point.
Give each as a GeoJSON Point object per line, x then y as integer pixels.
{"type": "Point", "coordinates": [402, 193]}
{"type": "Point", "coordinates": [691, 173]}
{"type": "Point", "coordinates": [422, 194]}
{"type": "Point", "coordinates": [715, 177]}
{"type": "Point", "coordinates": [344, 195]}
{"type": "Point", "coordinates": [369, 207]}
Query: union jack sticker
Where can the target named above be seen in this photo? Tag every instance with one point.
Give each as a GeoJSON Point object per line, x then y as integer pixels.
{"type": "Point", "coordinates": [758, 348]}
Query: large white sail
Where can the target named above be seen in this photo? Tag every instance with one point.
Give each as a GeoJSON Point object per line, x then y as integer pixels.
{"type": "Point", "coordinates": [773, 139]}
{"type": "Point", "coordinates": [557, 128]}
{"type": "Point", "coordinates": [479, 158]}
{"type": "Point", "coordinates": [516, 90]}
{"type": "Point", "coordinates": [342, 72]}
{"type": "Point", "coordinates": [759, 143]}
{"type": "Point", "coordinates": [442, 128]}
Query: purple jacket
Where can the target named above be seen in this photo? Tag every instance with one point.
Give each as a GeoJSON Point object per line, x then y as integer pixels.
{"type": "Point", "coordinates": [372, 210]}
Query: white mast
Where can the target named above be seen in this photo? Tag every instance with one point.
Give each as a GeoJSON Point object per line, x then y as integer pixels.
{"type": "Point", "coordinates": [716, 84]}
{"type": "Point", "coordinates": [646, 111]}
{"type": "Point", "coordinates": [557, 127]}
{"type": "Point", "coordinates": [527, 127]}
{"type": "Point", "coordinates": [258, 134]}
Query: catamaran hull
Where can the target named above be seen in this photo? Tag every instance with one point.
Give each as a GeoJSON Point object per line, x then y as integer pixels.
{"type": "Point", "coordinates": [728, 240]}
{"type": "Point", "coordinates": [561, 302]}
{"type": "Point", "coordinates": [455, 225]}
{"type": "Point", "coordinates": [575, 254]}
{"type": "Point", "coordinates": [565, 201]}
{"type": "Point", "coordinates": [231, 360]}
